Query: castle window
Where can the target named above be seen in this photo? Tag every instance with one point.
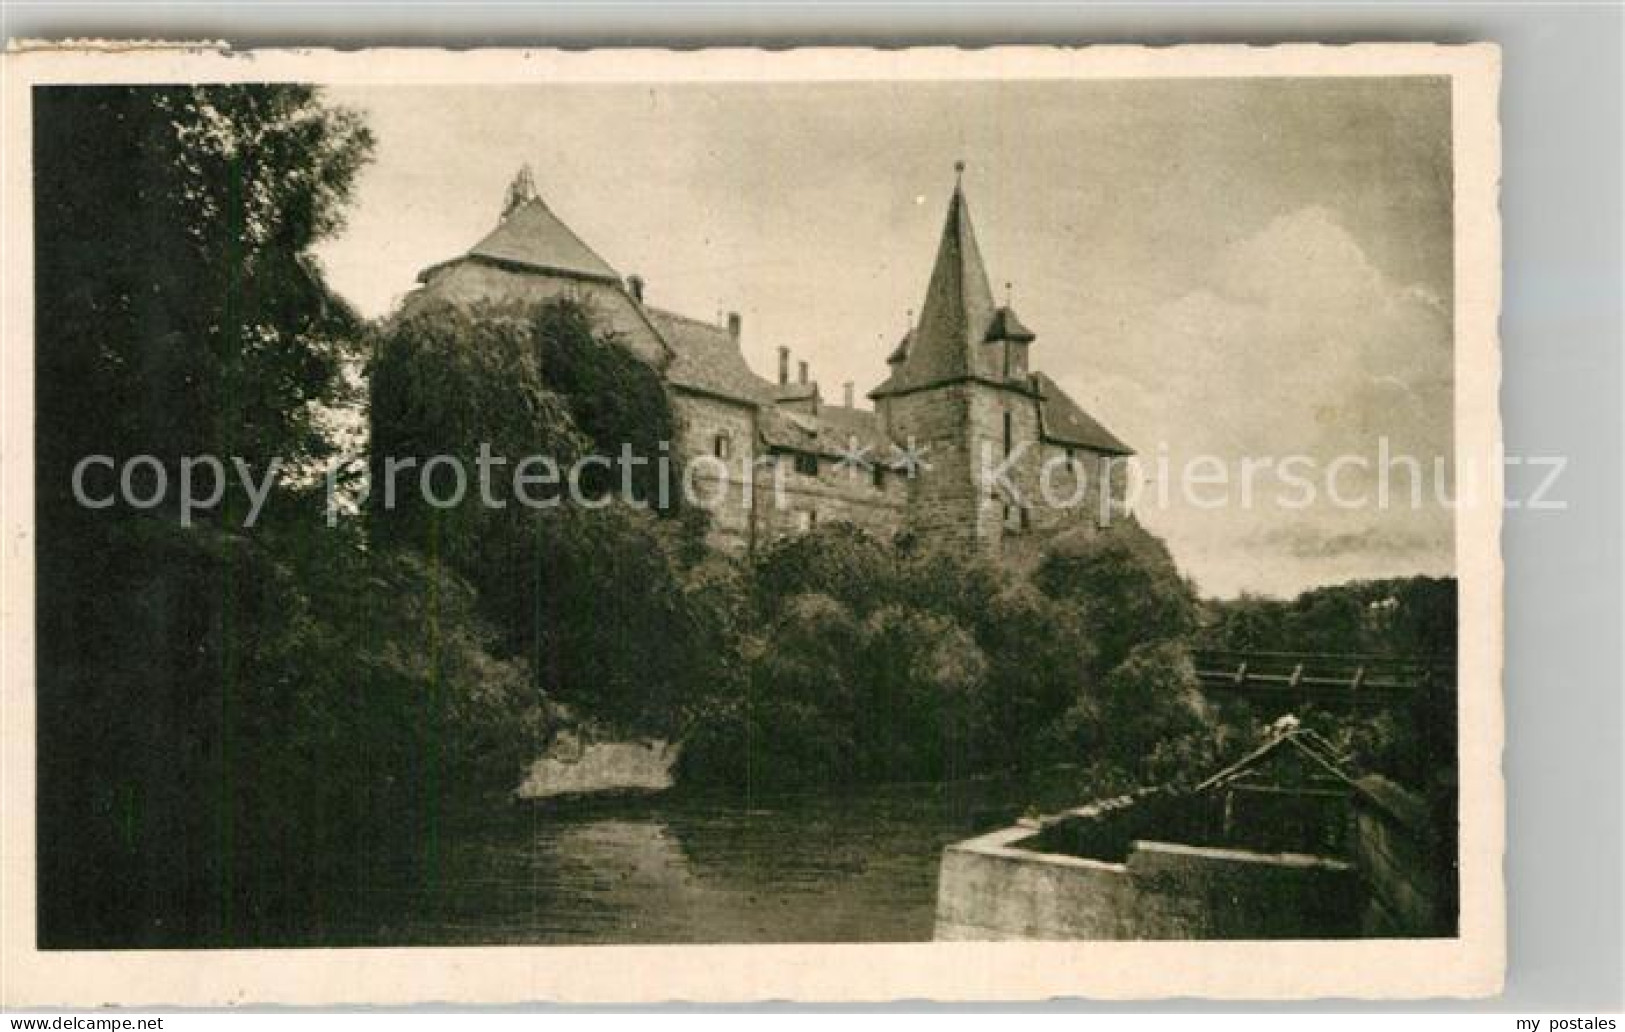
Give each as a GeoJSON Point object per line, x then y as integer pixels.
{"type": "Point", "coordinates": [722, 446]}
{"type": "Point", "coordinates": [1015, 518]}
{"type": "Point", "coordinates": [806, 465]}
{"type": "Point", "coordinates": [1009, 434]}
{"type": "Point", "coordinates": [879, 476]}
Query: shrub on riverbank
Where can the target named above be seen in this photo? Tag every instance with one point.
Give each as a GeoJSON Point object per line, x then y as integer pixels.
{"type": "Point", "coordinates": [869, 662]}
{"type": "Point", "coordinates": [227, 713]}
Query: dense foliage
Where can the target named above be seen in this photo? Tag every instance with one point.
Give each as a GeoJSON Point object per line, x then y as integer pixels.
{"type": "Point", "coordinates": [1406, 617]}
{"type": "Point", "coordinates": [178, 300]}
{"type": "Point", "coordinates": [228, 712]}
{"type": "Point", "coordinates": [871, 662]}
{"type": "Point", "coordinates": [225, 712]}
{"type": "Point", "coordinates": [595, 599]}
{"type": "Point", "coordinates": [1402, 616]}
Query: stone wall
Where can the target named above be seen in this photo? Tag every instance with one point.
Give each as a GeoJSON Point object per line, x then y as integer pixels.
{"type": "Point", "coordinates": [945, 498]}
{"type": "Point", "coordinates": [963, 426]}
{"type": "Point", "coordinates": [998, 516]}
{"type": "Point", "coordinates": [1407, 864]}
{"type": "Point", "coordinates": [946, 503]}
{"type": "Point", "coordinates": [723, 486]}
{"type": "Point", "coordinates": [469, 281]}
{"type": "Point", "coordinates": [837, 494]}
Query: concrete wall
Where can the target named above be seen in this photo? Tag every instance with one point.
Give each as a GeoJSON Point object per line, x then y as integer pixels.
{"type": "Point", "coordinates": [992, 889]}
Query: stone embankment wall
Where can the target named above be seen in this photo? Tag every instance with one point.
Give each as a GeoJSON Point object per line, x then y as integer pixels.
{"type": "Point", "coordinates": [1406, 861]}
{"type": "Point", "coordinates": [991, 889]}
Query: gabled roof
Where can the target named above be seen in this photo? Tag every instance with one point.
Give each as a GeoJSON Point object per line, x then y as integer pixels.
{"type": "Point", "coordinates": [1287, 737]}
{"type": "Point", "coordinates": [533, 237]}
{"type": "Point", "coordinates": [900, 352]}
{"type": "Point", "coordinates": [1005, 326]}
{"type": "Point", "coordinates": [795, 391]}
{"type": "Point", "coordinates": [947, 341]}
{"type": "Point", "coordinates": [1063, 421]}
{"type": "Point", "coordinates": [706, 358]}
{"type": "Point", "coordinates": [834, 432]}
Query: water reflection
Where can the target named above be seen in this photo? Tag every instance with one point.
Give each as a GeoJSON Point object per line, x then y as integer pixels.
{"type": "Point", "coordinates": [847, 867]}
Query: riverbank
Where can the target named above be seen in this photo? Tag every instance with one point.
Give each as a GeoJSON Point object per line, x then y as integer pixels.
{"type": "Point", "coordinates": [684, 866]}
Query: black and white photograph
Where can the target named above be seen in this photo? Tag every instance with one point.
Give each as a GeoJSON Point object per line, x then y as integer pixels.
{"type": "Point", "coordinates": [720, 510]}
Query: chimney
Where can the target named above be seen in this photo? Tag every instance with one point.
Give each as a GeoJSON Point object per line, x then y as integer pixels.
{"type": "Point", "coordinates": [802, 369]}
{"type": "Point", "coordinates": [846, 394]}
{"type": "Point", "coordinates": [634, 284]}
{"type": "Point", "coordinates": [784, 365]}
{"type": "Point", "coordinates": [734, 326]}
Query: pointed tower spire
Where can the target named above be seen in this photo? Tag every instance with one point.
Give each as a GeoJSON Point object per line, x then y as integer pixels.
{"type": "Point", "coordinates": [530, 236]}
{"type": "Point", "coordinates": [520, 192]}
{"type": "Point", "coordinates": [958, 307]}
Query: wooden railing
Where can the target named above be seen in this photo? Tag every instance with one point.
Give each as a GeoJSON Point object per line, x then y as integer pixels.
{"type": "Point", "coordinates": [1332, 678]}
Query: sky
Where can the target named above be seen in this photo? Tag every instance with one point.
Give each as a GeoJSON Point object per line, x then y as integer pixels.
{"type": "Point", "coordinates": [1231, 268]}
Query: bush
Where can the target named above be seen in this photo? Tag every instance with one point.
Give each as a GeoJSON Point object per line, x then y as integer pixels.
{"type": "Point", "coordinates": [1127, 586]}
{"type": "Point", "coordinates": [597, 600]}
{"type": "Point", "coordinates": [240, 715]}
{"type": "Point", "coordinates": [874, 663]}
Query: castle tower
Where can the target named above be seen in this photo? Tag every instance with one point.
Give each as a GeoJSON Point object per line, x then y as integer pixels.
{"type": "Point", "coordinates": [959, 390]}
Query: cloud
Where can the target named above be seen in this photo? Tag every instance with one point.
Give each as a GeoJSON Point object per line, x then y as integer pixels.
{"type": "Point", "coordinates": [1293, 343]}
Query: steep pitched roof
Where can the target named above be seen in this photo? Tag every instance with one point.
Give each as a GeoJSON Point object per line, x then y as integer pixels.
{"type": "Point", "coordinates": [533, 237]}
{"type": "Point", "coordinates": [794, 391]}
{"type": "Point", "coordinates": [834, 432]}
{"type": "Point", "coordinates": [900, 352]}
{"type": "Point", "coordinates": [958, 309]}
{"type": "Point", "coordinates": [1005, 326]}
{"type": "Point", "coordinates": [1062, 420]}
{"type": "Point", "coordinates": [706, 358]}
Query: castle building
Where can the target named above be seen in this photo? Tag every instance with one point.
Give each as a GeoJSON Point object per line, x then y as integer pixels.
{"type": "Point", "coordinates": [966, 445]}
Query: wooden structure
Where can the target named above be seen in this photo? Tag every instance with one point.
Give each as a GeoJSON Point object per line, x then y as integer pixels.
{"type": "Point", "coordinates": [1294, 678]}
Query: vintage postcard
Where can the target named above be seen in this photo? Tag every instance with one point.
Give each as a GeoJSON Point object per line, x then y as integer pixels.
{"type": "Point", "coordinates": [825, 525]}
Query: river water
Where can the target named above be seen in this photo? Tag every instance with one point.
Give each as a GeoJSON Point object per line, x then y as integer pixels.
{"type": "Point", "coordinates": [682, 867]}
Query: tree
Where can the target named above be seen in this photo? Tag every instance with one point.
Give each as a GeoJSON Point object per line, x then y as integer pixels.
{"type": "Point", "coordinates": [179, 311]}
{"type": "Point", "coordinates": [1127, 585]}
{"type": "Point", "coordinates": [226, 713]}
{"type": "Point", "coordinates": [596, 599]}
